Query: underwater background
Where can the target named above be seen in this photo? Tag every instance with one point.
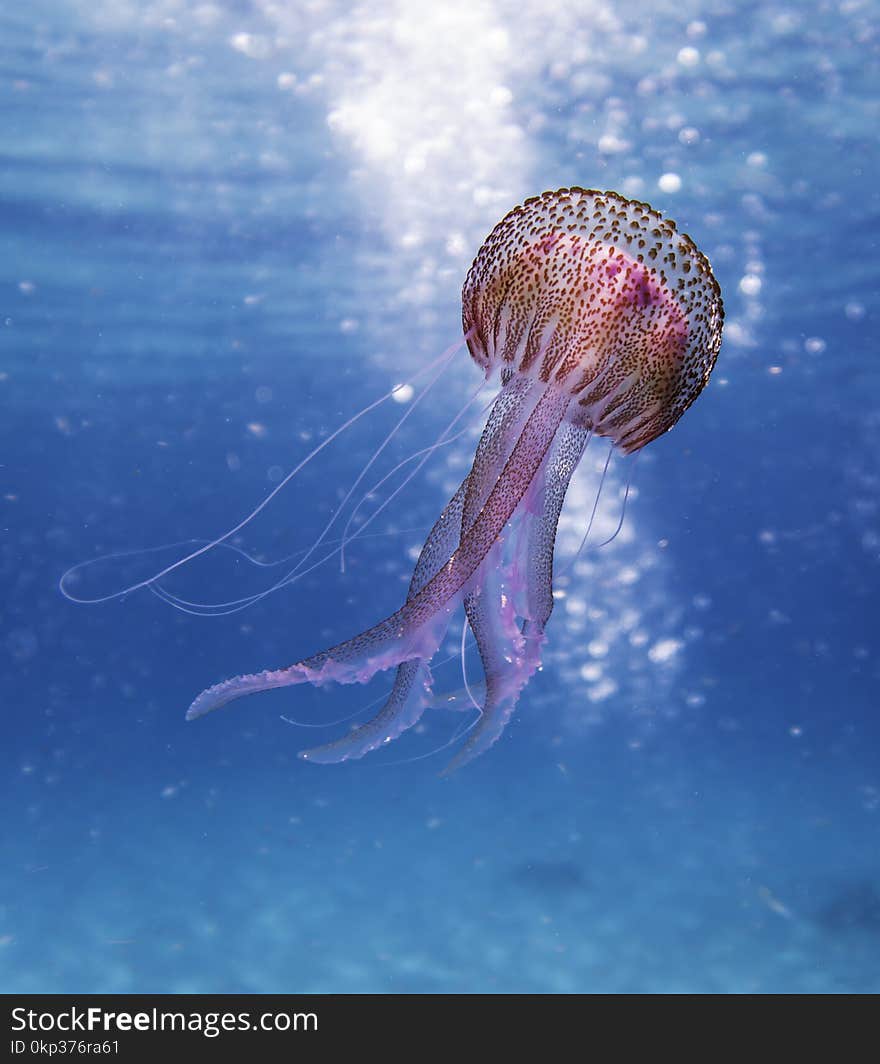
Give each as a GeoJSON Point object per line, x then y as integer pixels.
{"type": "Point", "coordinates": [229, 226]}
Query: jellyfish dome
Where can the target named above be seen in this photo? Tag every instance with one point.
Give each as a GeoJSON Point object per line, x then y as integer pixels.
{"type": "Point", "coordinates": [603, 320]}
{"type": "Point", "coordinates": [602, 297]}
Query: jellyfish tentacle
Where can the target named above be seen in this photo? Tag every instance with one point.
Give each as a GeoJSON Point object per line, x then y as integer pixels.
{"type": "Point", "coordinates": [441, 542]}
{"type": "Point", "coordinates": [404, 707]}
{"type": "Point", "coordinates": [510, 412]}
{"type": "Point", "coordinates": [503, 653]}
{"type": "Point", "coordinates": [412, 631]}
{"type": "Point", "coordinates": [493, 452]}
{"type": "Point", "coordinates": [410, 695]}
{"type": "Point", "coordinates": [568, 449]}
{"type": "Point", "coordinates": [512, 653]}
{"type": "Point", "coordinates": [571, 563]}
{"type": "Point", "coordinates": [487, 604]}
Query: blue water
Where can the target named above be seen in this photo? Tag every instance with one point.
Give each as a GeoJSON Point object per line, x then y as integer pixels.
{"type": "Point", "coordinates": [227, 227]}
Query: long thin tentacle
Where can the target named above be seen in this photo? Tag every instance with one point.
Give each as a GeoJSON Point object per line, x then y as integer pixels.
{"type": "Point", "coordinates": [442, 360]}
{"type": "Point", "coordinates": [221, 609]}
{"type": "Point", "coordinates": [442, 440]}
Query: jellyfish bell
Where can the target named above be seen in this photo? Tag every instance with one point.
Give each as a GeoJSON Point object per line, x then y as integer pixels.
{"type": "Point", "coordinates": [603, 320]}
{"type": "Point", "coordinates": [602, 297]}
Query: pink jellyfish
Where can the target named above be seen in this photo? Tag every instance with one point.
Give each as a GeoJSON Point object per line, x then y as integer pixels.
{"type": "Point", "coordinates": [603, 320]}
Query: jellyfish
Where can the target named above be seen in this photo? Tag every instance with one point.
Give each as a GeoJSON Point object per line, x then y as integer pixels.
{"type": "Point", "coordinates": [601, 320]}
